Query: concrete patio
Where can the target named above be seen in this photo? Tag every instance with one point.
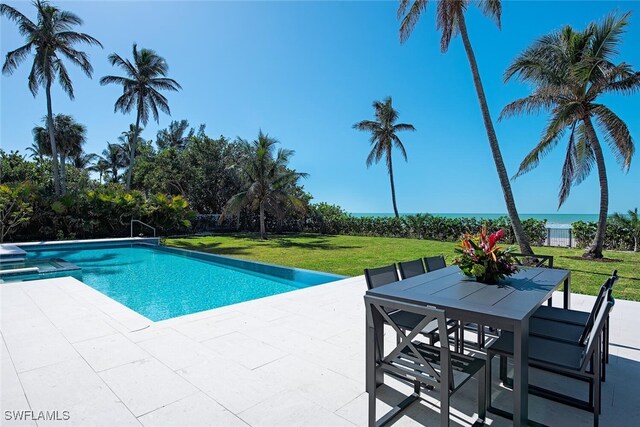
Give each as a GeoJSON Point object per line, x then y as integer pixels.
{"type": "Point", "coordinates": [295, 359]}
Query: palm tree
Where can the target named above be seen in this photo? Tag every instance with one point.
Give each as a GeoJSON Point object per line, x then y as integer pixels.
{"type": "Point", "coordinates": [51, 37]}
{"type": "Point", "coordinates": [176, 135]}
{"type": "Point", "coordinates": [146, 76]}
{"type": "Point", "coordinates": [383, 138]}
{"type": "Point", "coordinates": [70, 137]}
{"type": "Point", "coordinates": [569, 71]}
{"type": "Point", "coordinates": [630, 222]}
{"type": "Point", "coordinates": [38, 151]}
{"type": "Point", "coordinates": [112, 159]}
{"type": "Point", "coordinates": [451, 21]}
{"type": "Point", "coordinates": [101, 166]}
{"type": "Point", "coordinates": [82, 160]}
{"type": "Point", "coordinates": [126, 142]}
{"type": "Point", "coordinates": [269, 181]}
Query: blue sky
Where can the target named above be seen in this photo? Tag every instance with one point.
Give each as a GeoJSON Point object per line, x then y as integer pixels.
{"type": "Point", "coordinates": [305, 72]}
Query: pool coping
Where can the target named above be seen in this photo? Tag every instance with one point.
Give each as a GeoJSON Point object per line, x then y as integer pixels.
{"type": "Point", "coordinates": [231, 261]}
{"type": "Point", "coordinates": [115, 240]}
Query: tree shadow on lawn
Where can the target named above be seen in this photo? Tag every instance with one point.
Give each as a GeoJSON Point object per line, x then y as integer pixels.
{"type": "Point", "coordinates": [318, 243]}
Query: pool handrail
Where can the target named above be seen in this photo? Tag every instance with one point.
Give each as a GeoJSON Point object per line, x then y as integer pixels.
{"type": "Point", "coordinates": [143, 223]}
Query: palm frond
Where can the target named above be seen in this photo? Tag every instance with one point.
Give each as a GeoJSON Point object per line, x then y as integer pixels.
{"type": "Point", "coordinates": [568, 169]}
{"type": "Point", "coordinates": [492, 9]}
{"type": "Point", "coordinates": [616, 134]}
{"type": "Point", "coordinates": [16, 57]}
{"type": "Point", "coordinates": [411, 18]}
{"type": "Point", "coordinates": [554, 131]}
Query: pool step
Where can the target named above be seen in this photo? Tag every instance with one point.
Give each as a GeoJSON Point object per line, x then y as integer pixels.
{"type": "Point", "coordinates": [19, 271]}
{"type": "Point", "coordinates": [11, 253]}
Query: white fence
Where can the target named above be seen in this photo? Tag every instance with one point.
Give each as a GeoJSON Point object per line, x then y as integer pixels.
{"type": "Point", "coordinates": [560, 236]}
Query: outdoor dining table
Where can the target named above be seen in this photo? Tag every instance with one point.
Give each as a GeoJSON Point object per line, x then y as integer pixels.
{"type": "Point", "coordinates": [507, 305]}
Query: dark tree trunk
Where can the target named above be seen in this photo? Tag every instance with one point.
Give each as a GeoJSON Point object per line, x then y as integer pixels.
{"type": "Point", "coordinates": [52, 140]}
{"type": "Point", "coordinates": [63, 173]}
{"type": "Point", "coordinates": [262, 228]}
{"type": "Point", "coordinates": [393, 187]}
{"type": "Point", "coordinates": [518, 230]}
{"type": "Point", "coordinates": [595, 250]}
{"type": "Point", "coordinates": [133, 147]}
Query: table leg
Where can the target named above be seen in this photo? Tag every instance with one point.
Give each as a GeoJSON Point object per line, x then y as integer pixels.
{"type": "Point", "coordinates": [567, 293]}
{"type": "Point", "coordinates": [521, 374]}
{"type": "Point", "coordinates": [374, 348]}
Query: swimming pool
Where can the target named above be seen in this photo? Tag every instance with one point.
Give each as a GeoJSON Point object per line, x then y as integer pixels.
{"type": "Point", "coordinates": [161, 283]}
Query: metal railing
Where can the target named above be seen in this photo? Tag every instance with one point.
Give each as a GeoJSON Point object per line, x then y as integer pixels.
{"type": "Point", "coordinates": [143, 223]}
{"type": "Point", "coordinates": [560, 236]}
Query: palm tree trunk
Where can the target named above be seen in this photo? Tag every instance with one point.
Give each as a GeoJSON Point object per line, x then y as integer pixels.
{"type": "Point", "coordinates": [52, 139]}
{"type": "Point", "coordinates": [393, 187]}
{"type": "Point", "coordinates": [262, 228]}
{"type": "Point", "coordinates": [63, 173]}
{"type": "Point", "coordinates": [595, 250]}
{"type": "Point", "coordinates": [133, 147]}
{"type": "Point", "coordinates": [518, 230]}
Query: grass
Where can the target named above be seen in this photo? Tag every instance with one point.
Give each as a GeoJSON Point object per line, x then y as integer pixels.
{"type": "Point", "coordinates": [349, 255]}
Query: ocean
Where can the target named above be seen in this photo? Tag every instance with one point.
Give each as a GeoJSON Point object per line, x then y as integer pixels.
{"type": "Point", "coordinates": [553, 219]}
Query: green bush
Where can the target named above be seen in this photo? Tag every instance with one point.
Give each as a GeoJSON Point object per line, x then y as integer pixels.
{"type": "Point", "coordinates": [331, 219]}
{"type": "Point", "coordinates": [617, 237]}
{"type": "Point", "coordinates": [106, 211]}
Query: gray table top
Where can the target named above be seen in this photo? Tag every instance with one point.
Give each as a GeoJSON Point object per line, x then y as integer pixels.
{"type": "Point", "coordinates": [512, 299]}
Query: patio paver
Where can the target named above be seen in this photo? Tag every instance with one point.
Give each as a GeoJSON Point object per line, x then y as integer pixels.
{"type": "Point", "coordinates": [290, 359]}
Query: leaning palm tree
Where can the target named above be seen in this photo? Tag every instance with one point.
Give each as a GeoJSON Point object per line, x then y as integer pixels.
{"type": "Point", "coordinates": [53, 39]}
{"type": "Point", "coordinates": [450, 19]}
{"type": "Point", "coordinates": [569, 71]}
{"type": "Point", "coordinates": [269, 182]}
{"type": "Point", "coordinates": [146, 76]}
{"type": "Point", "coordinates": [631, 222]}
{"type": "Point", "coordinates": [383, 138]}
{"type": "Point", "coordinates": [70, 136]}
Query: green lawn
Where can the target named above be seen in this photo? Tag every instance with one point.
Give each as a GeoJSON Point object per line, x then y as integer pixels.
{"type": "Point", "coordinates": [348, 255]}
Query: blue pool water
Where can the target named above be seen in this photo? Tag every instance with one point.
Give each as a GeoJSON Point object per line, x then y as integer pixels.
{"type": "Point", "coordinates": [161, 283]}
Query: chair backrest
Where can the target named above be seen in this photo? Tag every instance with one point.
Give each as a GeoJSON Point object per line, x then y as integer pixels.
{"type": "Point", "coordinates": [614, 277]}
{"type": "Point", "coordinates": [434, 263]}
{"type": "Point", "coordinates": [418, 366]}
{"type": "Point", "coordinates": [598, 326]}
{"type": "Point", "coordinates": [601, 298]}
{"type": "Point", "coordinates": [411, 268]}
{"type": "Point", "coordinates": [381, 276]}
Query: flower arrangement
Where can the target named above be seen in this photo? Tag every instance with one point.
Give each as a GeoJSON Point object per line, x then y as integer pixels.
{"type": "Point", "coordinates": [483, 259]}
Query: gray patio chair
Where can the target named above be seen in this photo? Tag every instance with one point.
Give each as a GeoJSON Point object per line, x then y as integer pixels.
{"type": "Point", "coordinates": [567, 324]}
{"type": "Point", "coordinates": [420, 364]}
{"type": "Point", "coordinates": [376, 277]}
{"type": "Point", "coordinates": [434, 263]}
{"type": "Point", "coordinates": [579, 361]}
{"type": "Point", "coordinates": [411, 268]}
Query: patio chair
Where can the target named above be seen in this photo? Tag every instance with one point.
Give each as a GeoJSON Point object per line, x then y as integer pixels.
{"type": "Point", "coordinates": [411, 268]}
{"type": "Point", "coordinates": [434, 263]}
{"type": "Point", "coordinates": [422, 365]}
{"type": "Point", "coordinates": [579, 361]}
{"type": "Point", "coordinates": [406, 321]}
{"type": "Point", "coordinates": [567, 324]}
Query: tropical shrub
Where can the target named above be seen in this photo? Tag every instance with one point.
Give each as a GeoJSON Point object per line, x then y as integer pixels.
{"type": "Point", "coordinates": [617, 236]}
{"type": "Point", "coordinates": [15, 207]}
{"type": "Point", "coordinates": [630, 223]}
{"type": "Point", "coordinates": [331, 219]}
